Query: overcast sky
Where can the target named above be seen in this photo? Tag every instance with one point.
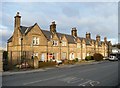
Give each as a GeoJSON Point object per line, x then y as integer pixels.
{"type": "Point", "coordinates": [94, 17]}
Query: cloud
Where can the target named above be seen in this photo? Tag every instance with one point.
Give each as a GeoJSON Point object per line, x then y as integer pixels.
{"type": "Point", "coordinates": [61, 1]}
{"type": "Point", "coordinates": [100, 25]}
{"type": "Point", "coordinates": [97, 18]}
{"type": "Point", "coordinates": [70, 12]}
{"type": "Point", "coordinates": [4, 35]}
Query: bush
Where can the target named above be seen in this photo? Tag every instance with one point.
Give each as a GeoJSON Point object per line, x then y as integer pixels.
{"type": "Point", "coordinates": [87, 58]}
{"type": "Point", "coordinates": [76, 59]}
{"type": "Point", "coordinates": [98, 57]}
{"type": "Point", "coordinates": [71, 61]}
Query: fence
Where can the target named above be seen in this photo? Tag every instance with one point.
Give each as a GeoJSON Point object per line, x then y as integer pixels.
{"type": "Point", "coordinates": [17, 58]}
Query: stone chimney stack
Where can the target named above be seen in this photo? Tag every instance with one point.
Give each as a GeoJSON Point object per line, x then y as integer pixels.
{"type": "Point", "coordinates": [98, 38]}
{"type": "Point", "coordinates": [88, 35]}
{"type": "Point", "coordinates": [74, 32]}
{"type": "Point", "coordinates": [17, 20]}
{"type": "Point", "coordinates": [53, 27]}
{"type": "Point", "coordinates": [105, 39]}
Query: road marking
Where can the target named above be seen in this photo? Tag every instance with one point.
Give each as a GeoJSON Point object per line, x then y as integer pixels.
{"type": "Point", "coordinates": [83, 84]}
{"type": "Point", "coordinates": [92, 83]}
{"type": "Point", "coordinates": [44, 80]}
{"type": "Point", "coordinates": [89, 83]}
{"type": "Point", "coordinates": [75, 80]}
{"type": "Point", "coordinates": [80, 81]}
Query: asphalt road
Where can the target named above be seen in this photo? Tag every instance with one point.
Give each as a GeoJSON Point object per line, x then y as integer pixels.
{"type": "Point", "coordinates": [100, 74]}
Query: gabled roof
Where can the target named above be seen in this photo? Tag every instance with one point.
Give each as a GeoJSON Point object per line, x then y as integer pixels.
{"type": "Point", "coordinates": [25, 30]}
{"type": "Point", "coordinates": [88, 41]}
{"type": "Point", "coordinates": [71, 39]}
{"type": "Point", "coordinates": [47, 34]}
{"type": "Point", "coordinates": [29, 28]}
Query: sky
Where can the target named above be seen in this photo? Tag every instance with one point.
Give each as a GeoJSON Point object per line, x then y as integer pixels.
{"type": "Point", "coordinates": [94, 17]}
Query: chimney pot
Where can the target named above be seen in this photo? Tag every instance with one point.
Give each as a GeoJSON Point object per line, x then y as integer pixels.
{"type": "Point", "coordinates": [74, 32]}
{"type": "Point", "coordinates": [53, 27]}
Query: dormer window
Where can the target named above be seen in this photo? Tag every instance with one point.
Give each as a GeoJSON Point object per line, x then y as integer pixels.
{"type": "Point", "coordinates": [78, 45]}
{"type": "Point", "coordinates": [63, 43]}
{"type": "Point", "coordinates": [83, 45]}
{"type": "Point", "coordinates": [55, 43]}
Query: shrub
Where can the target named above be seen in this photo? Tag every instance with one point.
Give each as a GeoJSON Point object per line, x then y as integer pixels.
{"type": "Point", "coordinates": [87, 58]}
{"type": "Point", "coordinates": [76, 59]}
{"type": "Point", "coordinates": [71, 61]}
{"type": "Point", "coordinates": [98, 57]}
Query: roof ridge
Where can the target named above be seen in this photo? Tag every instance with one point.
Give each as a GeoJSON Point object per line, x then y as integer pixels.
{"type": "Point", "coordinates": [22, 26]}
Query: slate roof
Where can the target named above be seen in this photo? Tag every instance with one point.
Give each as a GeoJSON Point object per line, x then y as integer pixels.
{"type": "Point", "coordinates": [23, 29]}
{"type": "Point", "coordinates": [48, 34]}
{"type": "Point", "coordinates": [71, 39]}
{"type": "Point", "coordinates": [88, 41]}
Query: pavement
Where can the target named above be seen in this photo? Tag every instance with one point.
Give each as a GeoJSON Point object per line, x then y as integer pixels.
{"type": "Point", "coordinates": [94, 74]}
{"type": "Point", "coordinates": [44, 69]}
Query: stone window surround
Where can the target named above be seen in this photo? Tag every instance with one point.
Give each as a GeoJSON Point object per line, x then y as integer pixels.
{"type": "Point", "coordinates": [35, 40]}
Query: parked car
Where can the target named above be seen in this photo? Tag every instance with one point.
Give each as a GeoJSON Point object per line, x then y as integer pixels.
{"type": "Point", "coordinates": [59, 62]}
{"type": "Point", "coordinates": [113, 58]}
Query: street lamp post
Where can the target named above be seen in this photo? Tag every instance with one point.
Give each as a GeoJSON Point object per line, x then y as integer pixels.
{"type": "Point", "coordinates": [52, 47]}
{"type": "Point", "coordinates": [32, 54]}
{"type": "Point", "coordinates": [47, 51]}
{"type": "Point", "coordinates": [108, 49]}
{"type": "Point", "coordinates": [21, 51]}
{"type": "Point", "coordinates": [60, 49]}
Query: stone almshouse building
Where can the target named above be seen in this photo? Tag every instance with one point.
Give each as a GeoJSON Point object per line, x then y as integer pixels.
{"type": "Point", "coordinates": [28, 41]}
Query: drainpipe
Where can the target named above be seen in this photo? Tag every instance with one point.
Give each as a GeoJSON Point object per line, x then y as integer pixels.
{"type": "Point", "coordinates": [47, 51]}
